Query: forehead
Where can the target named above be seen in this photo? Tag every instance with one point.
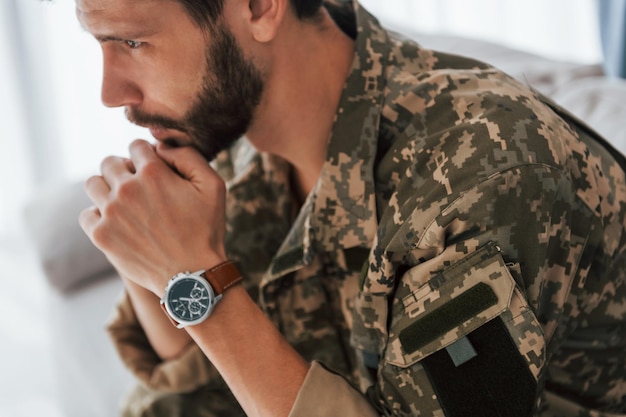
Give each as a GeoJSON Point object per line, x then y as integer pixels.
{"type": "Point", "coordinates": [119, 17]}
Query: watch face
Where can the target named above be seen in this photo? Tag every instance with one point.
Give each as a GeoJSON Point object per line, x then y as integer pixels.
{"type": "Point", "coordinates": [189, 299]}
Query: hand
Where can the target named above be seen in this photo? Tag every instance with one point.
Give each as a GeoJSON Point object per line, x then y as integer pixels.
{"type": "Point", "coordinates": [158, 213]}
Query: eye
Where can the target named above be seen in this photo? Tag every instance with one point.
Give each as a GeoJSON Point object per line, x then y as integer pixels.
{"type": "Point", "coordinates": [133, 44]}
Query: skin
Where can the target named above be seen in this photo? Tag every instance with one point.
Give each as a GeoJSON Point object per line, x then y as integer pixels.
{"type": "Point", "coordinates": [145, 213]}
{"type": "Point", "coordinates": [224, 106]}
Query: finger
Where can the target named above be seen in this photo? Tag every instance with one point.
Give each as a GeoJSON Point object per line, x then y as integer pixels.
{"type": "Point", "coordinates": [142, 153]}
{"type": "Point", "coordinates": [115, 168]}
{"type": "Point", "coordinates": [187, 161]}
{"type": "Point", "coordinates": [97, 190]}
{"type": "Point", "coordinates": [88, 219]}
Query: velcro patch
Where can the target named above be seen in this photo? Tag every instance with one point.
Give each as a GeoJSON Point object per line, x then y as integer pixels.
{"type": "Point", "coordinates": [450, 315]}
{"type": "Point", "coordinates": [497, 382]}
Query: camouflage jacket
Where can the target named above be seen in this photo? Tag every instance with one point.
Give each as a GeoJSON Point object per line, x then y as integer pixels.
{"type": "Point", "coordinates": [461, 254]}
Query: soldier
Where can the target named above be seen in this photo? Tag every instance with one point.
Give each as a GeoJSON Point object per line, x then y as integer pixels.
{"type": "Point", "coordinates": [416, 233]}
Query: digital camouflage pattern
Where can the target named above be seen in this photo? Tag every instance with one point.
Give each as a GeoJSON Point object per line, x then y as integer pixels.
{"type": "Point", "coordinates": [446, 181]}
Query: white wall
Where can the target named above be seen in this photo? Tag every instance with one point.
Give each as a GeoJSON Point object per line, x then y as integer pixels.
{"type": "Point", "coordinates": [561, 29]}
{"type": "Point", "coordinates": [15, 168]}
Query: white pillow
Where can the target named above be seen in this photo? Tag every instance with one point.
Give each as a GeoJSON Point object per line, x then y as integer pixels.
{"type": "Point", "coordinates": [67, 256]}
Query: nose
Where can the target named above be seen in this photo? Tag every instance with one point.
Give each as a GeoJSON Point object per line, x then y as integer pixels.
{"type": "Point", "coordinates": [118, 86]}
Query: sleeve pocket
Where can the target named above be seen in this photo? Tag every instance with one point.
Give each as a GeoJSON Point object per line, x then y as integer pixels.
{"type": "Point", "coordinates": [472, 305]}
{"type": "Point", "coordinates": [451, 305]}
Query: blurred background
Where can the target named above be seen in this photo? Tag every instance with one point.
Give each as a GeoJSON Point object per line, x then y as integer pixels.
{"type": "Point", "coordinates": [55, 130]}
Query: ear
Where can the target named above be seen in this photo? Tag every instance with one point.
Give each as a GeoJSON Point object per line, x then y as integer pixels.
{"type": "Point", "coordinates": [265, 18]}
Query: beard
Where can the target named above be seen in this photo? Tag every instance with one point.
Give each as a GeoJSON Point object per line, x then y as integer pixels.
{"type": "Point", "coordinates": [224, 107]}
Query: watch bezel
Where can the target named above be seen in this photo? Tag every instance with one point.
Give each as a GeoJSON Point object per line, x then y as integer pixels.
{"type": "Point", "coordinates": [196, 276]}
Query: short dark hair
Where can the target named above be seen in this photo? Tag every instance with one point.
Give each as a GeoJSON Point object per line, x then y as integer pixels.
{"type": "Point", "coordinates": [206, 12]}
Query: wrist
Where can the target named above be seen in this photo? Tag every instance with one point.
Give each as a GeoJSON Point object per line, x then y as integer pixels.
{"type": "Point", "coordinates": [261, 368]}
{"type": "Point", "coordinates": [199, 263]}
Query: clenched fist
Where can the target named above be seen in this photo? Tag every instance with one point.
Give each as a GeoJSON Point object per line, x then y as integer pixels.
{"type": "Point", "coordinates": [158, 213]}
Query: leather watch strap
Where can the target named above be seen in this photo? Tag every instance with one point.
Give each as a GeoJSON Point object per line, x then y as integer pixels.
{"type": "Point", "coordinates": [174, 322]}
{"type": "Point", "coordinates": [223, 276]}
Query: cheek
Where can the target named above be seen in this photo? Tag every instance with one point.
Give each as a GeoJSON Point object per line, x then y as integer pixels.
{"type": "Point", "coordinates": [177, 86]}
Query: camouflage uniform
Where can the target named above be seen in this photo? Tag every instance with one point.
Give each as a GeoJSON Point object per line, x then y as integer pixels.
{"type": "Point", "coordinates": [461, 254]}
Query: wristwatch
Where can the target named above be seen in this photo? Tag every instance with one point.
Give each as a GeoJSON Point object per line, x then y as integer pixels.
{"type": "Point", "coordinates": [190, 297]}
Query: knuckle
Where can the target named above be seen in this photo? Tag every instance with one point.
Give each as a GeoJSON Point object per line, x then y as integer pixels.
{"type": "Point", "coordinates": [108, 161]}
{"type": "Point", "coordinates": [126, 191]}
{"type": "Point", "coordinates": [89, 182]}
{"type": "Point", "coordinates": [110, 211]}
{"type": "Point", "coordinates": [85, 219]}
{"type": "Point", "coordinates": [101, 236]}
{"type": "Point", "coordinates": [137, 142]}
{"type": "Point", "coordinates": [151, 171]}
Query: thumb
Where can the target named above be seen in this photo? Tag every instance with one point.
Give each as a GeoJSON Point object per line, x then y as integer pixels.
{"type": "Point", "coordinates": [187, 162]}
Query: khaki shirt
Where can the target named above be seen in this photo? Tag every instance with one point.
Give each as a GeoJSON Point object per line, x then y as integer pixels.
{"type": "Point", "coordinates": [461, 254]}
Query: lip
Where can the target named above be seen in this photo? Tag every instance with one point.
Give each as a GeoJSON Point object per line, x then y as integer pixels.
{"type": "Point", "coordinates": [171, 137]}
{"type": "Point", "coordinates": [158, 133]}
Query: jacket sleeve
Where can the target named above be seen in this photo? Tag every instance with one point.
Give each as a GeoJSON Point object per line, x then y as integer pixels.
{"type": "Point", "coordinates": [466, 346]}
{"type": "Point", "coordinates": [466, 342]}
{"type": "Point", "coordinates": [463, 307]}
{"type": "Point", "coordinates": [320, 385]}
{"type": "Point", "coordinates": [185, 373]}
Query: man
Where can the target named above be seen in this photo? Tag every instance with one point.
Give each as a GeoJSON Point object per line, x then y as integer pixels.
{"type": "Point", "coordinates": [416, 233]}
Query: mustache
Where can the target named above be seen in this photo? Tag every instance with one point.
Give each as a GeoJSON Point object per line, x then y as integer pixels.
{"type": "Point", "coordinates": [142, 119]}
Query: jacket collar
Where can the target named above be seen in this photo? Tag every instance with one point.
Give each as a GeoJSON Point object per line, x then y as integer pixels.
{"type": "Point", "coordinates": [340, 212]}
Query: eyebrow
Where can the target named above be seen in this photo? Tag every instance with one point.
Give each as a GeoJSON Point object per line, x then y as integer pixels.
{"type": "Point", "coordinates": [124, 36]}
{"type": "Point", "coordinates": [120, 37]}
{"type": "Point", "coordinates": [109, 38]}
